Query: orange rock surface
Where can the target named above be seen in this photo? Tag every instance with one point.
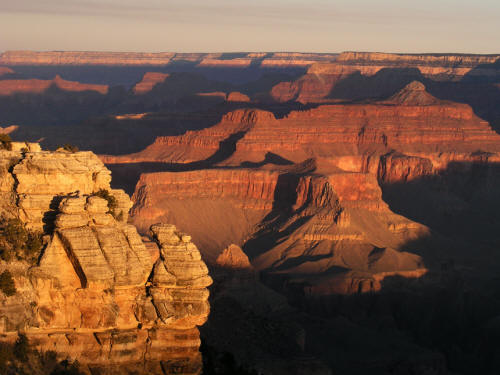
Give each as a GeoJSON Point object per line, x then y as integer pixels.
{"type": "Point", "coordinates": [236, 96]}
{"type": "Point", "coordinates": [97, 295]}
{"type": "Point", "coordinates": [149, 80]}
{"type": "Point", "coordinates": [84, 58]}
{"type": "Point", "coordinates": [303, 190]}
{"type": "Point", "coordinates": [38, 86]}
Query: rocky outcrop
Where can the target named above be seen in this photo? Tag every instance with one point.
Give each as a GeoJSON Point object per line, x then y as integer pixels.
{"type": "Point", "coordinates": [97, 294]}
{"type": "Point", "coordinates": [149, 80]}
{"type": "Point", "coordinates": [43, 178]}
{"type": "Point", "coordinates": [38, 86]}
{"type": "Point", "coordinates": [413, 94]}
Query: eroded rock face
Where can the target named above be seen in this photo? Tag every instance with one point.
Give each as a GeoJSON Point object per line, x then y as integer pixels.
{"type": "Point", "coordinates": [97, 295]}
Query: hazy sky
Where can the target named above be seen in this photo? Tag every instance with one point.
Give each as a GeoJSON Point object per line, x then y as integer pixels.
{"type": "Point", "coordinates": [258, 25]}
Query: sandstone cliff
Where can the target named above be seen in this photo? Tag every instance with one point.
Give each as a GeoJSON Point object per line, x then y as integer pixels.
{"type": "Point", "coordinates": [97, 294]}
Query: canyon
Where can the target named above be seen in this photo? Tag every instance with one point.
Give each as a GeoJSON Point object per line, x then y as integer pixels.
{"type": "Point", "coordinates": [320, 81]}
{"type": "Point", "coordinates": [345, 206]}
{"type": "Point", "coordinates": [316, 196]}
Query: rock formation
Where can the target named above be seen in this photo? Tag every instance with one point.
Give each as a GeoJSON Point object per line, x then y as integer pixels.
{"type": "Point", "coordinates": [353, 138]}
{"type": "Point", "coordinates": [413, 94]}
{"type": "Point", "coordinates": [322, 77]}
{"type": "Point", "coordinates": [304, 189]}
{"type": "Point", "coordinates": [213, 60]}
{"type": "Point", "coordinates": [97, 294]}
{"type": "Point", "coordinates": [149, 80]}
{"type": "Point", "coordinates": [38, 86]}
{"type": "Point", "coordinates": [84, 58]}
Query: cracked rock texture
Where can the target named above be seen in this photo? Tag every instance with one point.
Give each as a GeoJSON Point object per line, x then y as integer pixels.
{"type": "Point", "coordinates": [97, 294]}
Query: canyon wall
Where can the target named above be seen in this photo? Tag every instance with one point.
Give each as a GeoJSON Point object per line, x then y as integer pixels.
{"type": "Point", "coordinates": [38, 86]}
{"type": "Point", "coordinates": [84, 58]}
{"type": "Point", "coordinates": [231, 60]}
{"type": "Point", "coordinates": [98, 294]}
{"type": "Point", "coordinates": [349, 137]}
{"type": "Point", "coordinates": [318, 83]}
{"type": "Point", "coordinates": [304, 189]}
{"type": "Point", "coordinates": [327, 214]}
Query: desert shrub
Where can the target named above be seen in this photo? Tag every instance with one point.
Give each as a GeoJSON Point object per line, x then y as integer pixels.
{"type": "Point", "coordinates": [21, 348]}
{"type": "Point", "coordinates": [15, 233]}
{"type": "Point", "coordinates": [5, 142]}
{"type": "Point", "coordinates": [17, 241]}
{"type": "Point", "coordinates": [112, 203]}
{"type": "Point", "coordinates": [21, 359]}
{"type": "Point", "coordinates": [34, 244]}
{"type": "Point", "coordinates": [7, 285]}
{"type": "Point", "coordinates": [70, 148]}
{"type": "Point", "coordinates": [119, 217]}
{"type": "Point", "coordinates": [6, 356]}
{"type": "Point", "coordinates": [66, 368]}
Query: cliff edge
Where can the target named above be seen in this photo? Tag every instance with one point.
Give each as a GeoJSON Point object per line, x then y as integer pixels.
{"type": "Point", "coordinates": [96, 293]}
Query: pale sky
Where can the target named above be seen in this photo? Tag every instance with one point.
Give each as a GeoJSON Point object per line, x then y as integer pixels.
{"type": "Point", "coordinates": [259, 25]}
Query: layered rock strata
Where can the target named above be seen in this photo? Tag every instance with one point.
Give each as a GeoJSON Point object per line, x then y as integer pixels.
{"type": "Point", "coordinates": [84, 58]}
{"type": "Point", "coordinates": [213, 60]}
{"type": "Point", "coordinates": [424, 132]}
{"type": "Point", "coordinates": [304, 189]}
{"type": "Point", "coordinates": [321, 222]}
{"type": "Point", "coordinates": [97, 294]}
{"type": "Point", "coordinates": [196, 145]}
{"type": "Point", "coordinates": [321, 78]}
{"type": "Point", "coordinates": [38, 86]}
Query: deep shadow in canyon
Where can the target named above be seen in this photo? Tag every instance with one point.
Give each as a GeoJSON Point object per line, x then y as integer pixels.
{"type": "Point", "coordinates": [447, 321]}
